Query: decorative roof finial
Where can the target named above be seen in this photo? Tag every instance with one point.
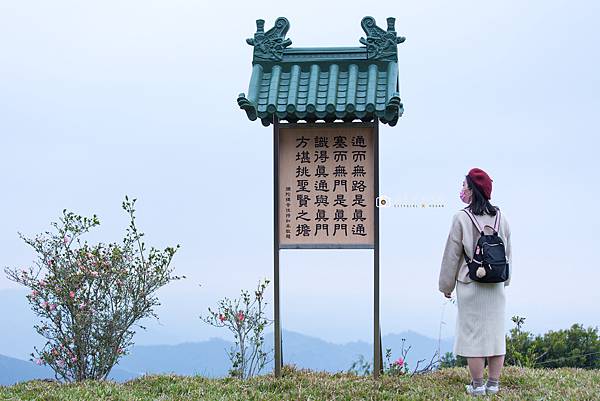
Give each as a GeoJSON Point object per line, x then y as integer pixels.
{"type": "Point", "coordinates": [260, 25]}
{"type": "Point", "coordinates": [381, 45]}
{"type": "Point", "coordinates": [391, 22]}
{"type": "Point", "coordinates": [270, 45]}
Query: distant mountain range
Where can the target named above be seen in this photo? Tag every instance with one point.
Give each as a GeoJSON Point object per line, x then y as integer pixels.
{"type": "Point", "coordinates": [13, 370]}
{"type": "Point", "coordinates": [209, 358]}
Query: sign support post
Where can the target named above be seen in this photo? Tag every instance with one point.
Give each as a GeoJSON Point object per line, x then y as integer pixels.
{"type": "Point", "coordinates": [377, 357]}
{"type": "Point", "coordinates": [276, 301]}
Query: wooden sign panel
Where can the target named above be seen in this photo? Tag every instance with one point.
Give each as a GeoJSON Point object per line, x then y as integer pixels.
{"type": "Point", "coordinates": [326, 186]}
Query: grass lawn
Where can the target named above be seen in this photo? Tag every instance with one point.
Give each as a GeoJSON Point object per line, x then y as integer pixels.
{"type": "Point", "coordinates": [301, 384]}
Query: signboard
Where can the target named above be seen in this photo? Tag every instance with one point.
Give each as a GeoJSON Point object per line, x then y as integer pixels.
{"type": "Point", "coordinates": [326, 192]}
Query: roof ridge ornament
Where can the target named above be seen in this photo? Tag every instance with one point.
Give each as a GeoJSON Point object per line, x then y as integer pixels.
{"type": "Point", "coordinates": [381, 44]}
{"type": "Point", "coordinates": [270, 45]}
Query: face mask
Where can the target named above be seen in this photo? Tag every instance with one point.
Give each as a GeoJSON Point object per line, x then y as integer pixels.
{"type": "Point", "coordinates": [464, 197]}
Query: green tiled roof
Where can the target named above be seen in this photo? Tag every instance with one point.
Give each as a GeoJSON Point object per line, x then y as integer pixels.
{"type": "Point", "coordinates": [326, 83]}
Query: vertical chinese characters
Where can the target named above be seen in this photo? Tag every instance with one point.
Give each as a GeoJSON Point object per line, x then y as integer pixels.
{"type": "Point", "coordinates": [326, 183]}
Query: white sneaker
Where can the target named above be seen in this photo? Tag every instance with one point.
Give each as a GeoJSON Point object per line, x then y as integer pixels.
{"type": "Point", "coordinates": [475, 391]}
{"type": "Point", "coordinates": [492, 389]}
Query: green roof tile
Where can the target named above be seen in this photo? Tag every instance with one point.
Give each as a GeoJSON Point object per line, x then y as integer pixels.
{"type": "Point", "coordinates": [324, 83]}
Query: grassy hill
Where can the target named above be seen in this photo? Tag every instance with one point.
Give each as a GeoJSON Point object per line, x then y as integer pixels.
{"type": "Point", "coordinates": [520, 384]}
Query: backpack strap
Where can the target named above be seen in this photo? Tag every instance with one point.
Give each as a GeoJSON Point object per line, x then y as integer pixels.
{"type": "Point", "coordinates": [466, 257]}
{"type": "Point", "coordinates": [497, 222]}
{"type": "Point", "coordinates": [474, 220]}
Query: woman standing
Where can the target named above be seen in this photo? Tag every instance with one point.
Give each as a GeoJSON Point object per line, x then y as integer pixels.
{"type": "Point", "coordinates": [481, 306]}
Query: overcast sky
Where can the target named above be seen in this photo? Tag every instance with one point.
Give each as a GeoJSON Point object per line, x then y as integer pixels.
{"type": "Point", "coordinates": [103, 99]}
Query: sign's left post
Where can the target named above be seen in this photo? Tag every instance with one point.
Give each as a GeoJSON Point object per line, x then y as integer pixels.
{"type": "Point", "coordinates": [277, 334]}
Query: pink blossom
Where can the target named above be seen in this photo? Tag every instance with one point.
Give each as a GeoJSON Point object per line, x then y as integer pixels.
{"type": "Point", "coordinates": [60, 363]}
{"type": "Point", "coordinates": [44, 304]}
{"type": "Point", "coordinates": [74, 359]}
{"type": "Point", "coordinates": [39, 361]}
{"type": "Point", "coordinates": [66, 239]}
{"type": "Point", "coordinates": [94, 273]}
{"type": "Point", "coordinates": [52, 306]}
{"type": "Point", "coordinates": [240, 316]}
{"type": "Point", "coordinates": [72, 294]}
{"type": "Point", "coordinates": [42, 283]}
{"type": "Point", "coordinates": [34, 293]}
{"type": "Point", "coordinates": [119, 350]}
{"type": "Point", "coordinates": [400, 362]}
{"type": "Point", "coordinates": [82, 306]}
{"type": "Point", "coordinates": [222, 318]}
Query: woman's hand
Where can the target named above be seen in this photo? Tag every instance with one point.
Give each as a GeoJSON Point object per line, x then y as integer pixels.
{"type": "Point", "coordinates": [448, 295]}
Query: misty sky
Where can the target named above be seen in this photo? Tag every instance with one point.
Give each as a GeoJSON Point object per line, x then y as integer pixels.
{"type": "Point", "coordinates": [103, 99]}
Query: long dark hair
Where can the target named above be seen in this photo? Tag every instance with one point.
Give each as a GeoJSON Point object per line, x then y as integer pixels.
{"type": "Point", "coordinates": [479, 205]}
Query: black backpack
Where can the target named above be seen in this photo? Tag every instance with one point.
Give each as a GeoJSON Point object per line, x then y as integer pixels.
{"type": "Point", "coordinates": [489, 263]}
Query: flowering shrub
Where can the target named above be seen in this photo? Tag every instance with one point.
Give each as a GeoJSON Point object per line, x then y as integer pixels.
{"type": "Point", "coordinates": [89, 297]}
{"type": "Point", "coordinates": [244, 317]}
{"type": "Point", "coordinates": [398, 367]}
{"type": "Point", "coordinates": [395, 368]}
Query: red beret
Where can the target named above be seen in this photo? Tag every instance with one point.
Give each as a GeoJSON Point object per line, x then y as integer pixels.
{"type": "Point", "coordinates": [482, 180]}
